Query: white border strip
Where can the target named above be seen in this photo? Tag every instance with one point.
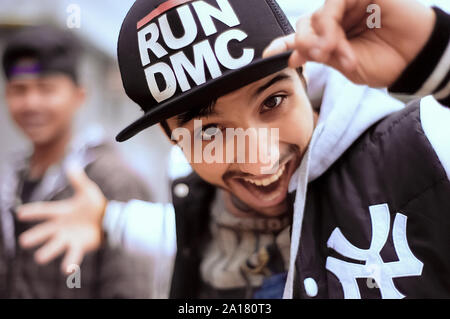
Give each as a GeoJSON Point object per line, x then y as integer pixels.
{"type": "Point", "coordinates": [438, 74]}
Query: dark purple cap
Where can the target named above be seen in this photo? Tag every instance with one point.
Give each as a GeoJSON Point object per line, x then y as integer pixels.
{"type": "Point", "coordinates": [41, 50]}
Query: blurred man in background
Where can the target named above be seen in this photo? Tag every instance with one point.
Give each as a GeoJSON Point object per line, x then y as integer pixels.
{"type": "Point", "coordinates": [43, 95]}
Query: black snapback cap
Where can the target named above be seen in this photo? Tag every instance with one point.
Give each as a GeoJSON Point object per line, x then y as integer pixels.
{"type": "Point", "coordinates": [52, 50]}
{"type": "Point", "coordinates": [179, 54]}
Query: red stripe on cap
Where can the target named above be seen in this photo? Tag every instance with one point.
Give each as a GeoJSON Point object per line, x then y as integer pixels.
{"type": "Point", "coordinates": [163, 7]}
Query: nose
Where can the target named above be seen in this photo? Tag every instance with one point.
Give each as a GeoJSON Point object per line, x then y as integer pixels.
{"type": "Point", "coordinates": [32, 100]}
{"type": "Point", "coordinates": [261, 152]}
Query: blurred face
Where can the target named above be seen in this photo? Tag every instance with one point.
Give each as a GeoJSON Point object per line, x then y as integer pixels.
{"type": "Point", "coordinates": [277, 102]}
{"type": "Point", "coordinates": [43, 107]}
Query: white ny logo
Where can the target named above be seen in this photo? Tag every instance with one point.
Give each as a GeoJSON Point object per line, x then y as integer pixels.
{"type": "Point", "coordinates": [347, 273]}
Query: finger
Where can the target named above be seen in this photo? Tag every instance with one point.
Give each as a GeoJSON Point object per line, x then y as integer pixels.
{"type": "Point", "coordinates": [280, 45]}
{"type": "Point", "coordinates": [296, 60]}
{"type": "Point", "coordinates": [327, 23]}
{"type": "Point", "coordinates": [345, 57]}
{"type": "Point", "coordinates": [42, 210]}
{"type": "Point", "coordinates": [328, 33]}
{"type": "Point", "coordinates": [55, 247]}
{"type": "Point", "coordinates": [335, 9]}
{"type": "Point", "coordinates": [334, 24]}
{"type": "Point", "coordinates": [74, 256]}
{"type": "Point", "coordinates": [306, 38]}
{"type": "Point", "coordinates": [37, 235]}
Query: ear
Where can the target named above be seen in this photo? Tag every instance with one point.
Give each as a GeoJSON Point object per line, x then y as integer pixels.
{"type": "Point", "coordinates": [80, 95]}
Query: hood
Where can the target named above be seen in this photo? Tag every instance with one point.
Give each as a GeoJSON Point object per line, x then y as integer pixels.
{"type": "Point", "coordinates": [347, 111]}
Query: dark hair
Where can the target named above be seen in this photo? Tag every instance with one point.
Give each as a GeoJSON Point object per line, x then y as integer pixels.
{"type": "Point", "coordinates": [166, 128]}
{"type": "Point", "coordinates": [54, 49]}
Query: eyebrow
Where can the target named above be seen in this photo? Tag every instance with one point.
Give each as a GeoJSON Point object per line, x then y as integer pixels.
{"type": "Point", "coordinates": [276, 79]}
{"type": "Point", "coordinates": [209, 110]}
{"type": "Point", "coordinates": [198, 112]}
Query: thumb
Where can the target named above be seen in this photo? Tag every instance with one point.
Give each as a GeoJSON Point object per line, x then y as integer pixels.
{"type": "Point", "coordinates": [77, 177]}
{"type": "Point", "coordinates": [280, 45]}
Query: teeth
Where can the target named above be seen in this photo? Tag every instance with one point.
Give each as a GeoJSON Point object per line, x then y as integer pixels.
{"type": "Point", "coordinates": [268, 180]}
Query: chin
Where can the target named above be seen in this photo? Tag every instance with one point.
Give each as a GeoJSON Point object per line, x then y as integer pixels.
{"type": "Point", "coordinates": [274, 211]}
{"type": "Point", "coordinates": [40, 139]}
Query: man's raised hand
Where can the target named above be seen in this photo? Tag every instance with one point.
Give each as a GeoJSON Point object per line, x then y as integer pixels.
{"type": "Point", "coordinates": [338, 34]}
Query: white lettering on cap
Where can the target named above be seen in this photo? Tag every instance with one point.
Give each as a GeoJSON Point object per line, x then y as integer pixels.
{"type": "Point", "coordinates": [203, 52]}
{"type": "Point", "coordinates": [150, 44]}
{"type": "Point", "coordinates": [224, 56]}
{"type": "Point", "coordinates": [206, 12]}
{"type": "Point", "coordinates": [190, 29]}
{"type": "Point", "coordinates": [171, 82]}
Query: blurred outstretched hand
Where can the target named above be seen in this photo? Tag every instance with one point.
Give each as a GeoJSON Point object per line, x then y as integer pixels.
{"type": "Point", "coordinates": [71, 227]}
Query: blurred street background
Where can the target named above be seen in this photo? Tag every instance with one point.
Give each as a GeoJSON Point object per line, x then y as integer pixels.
{"type": "Point", "coordinates": [107, 105]}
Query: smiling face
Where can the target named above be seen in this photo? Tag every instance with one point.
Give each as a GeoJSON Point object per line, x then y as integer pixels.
{"type": "Point", "coordinates": [277, 102]}
{"type": "Point", "coordinates": [43, 107]}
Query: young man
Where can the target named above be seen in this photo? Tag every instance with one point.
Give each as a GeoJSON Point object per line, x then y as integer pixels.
{"type": "Point", "coordinates": [43, 94]}
{"type": "Point", "coordinates": [371, 192]}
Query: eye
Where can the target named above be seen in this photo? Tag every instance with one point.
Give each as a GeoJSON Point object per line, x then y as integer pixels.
{"type": "Point", "coordinates": [273, 102]}
{"type": "Point", "coordinates": [209, 132]}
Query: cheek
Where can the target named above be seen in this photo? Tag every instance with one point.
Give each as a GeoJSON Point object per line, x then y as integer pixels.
{"type": "Point", "coordinates": [212, 173]}
{"type": "Point", "coordinates": [14, 111]}
{"type": "Point", "coordinates": [298, 123]}
{"type": "Point", "coordinates": [15, 105]}
{"type": "Point", "coordinates": [61, 107]}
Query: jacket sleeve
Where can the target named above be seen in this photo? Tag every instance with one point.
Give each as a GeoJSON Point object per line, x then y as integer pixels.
{"type": "Point", "coordinates": [116, 180]}
{"type": "Point", "coordinates": [144, 227]}
{"type": "Point", "coordinates": [429, 73]}
{"type": "Point", "coordinates": [122, 273]}
{"type": "Point", "coordinates": [147, 229]}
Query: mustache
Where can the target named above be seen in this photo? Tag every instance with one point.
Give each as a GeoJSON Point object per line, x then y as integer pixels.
{"type": "Point", "coordinates": [291, 150]}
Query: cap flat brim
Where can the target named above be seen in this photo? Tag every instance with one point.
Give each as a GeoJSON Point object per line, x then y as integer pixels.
{"type": "Point", "coordinates": [227, 83]}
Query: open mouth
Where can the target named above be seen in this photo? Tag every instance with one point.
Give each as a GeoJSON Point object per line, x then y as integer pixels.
{"type": "Point", "coordinates": [34, 121]}
{"type": "Point", "coordinates": [265, 190]}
